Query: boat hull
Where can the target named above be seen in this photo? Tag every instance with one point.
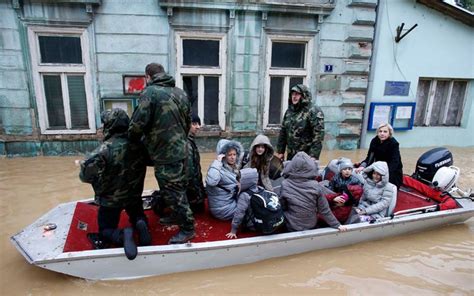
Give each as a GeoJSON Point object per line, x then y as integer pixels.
{"type": "Point", "coordinates": [110, 264]}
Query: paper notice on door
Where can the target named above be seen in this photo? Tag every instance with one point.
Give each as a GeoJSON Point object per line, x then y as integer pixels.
{"type": "Point", "coordinates": [403, 112]}
{"type": "Point", "coordinates": [381, 115]}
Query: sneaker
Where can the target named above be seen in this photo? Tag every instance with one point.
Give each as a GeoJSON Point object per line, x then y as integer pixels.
{"type": "Point", "coordinates": [169, 220]}
{"type": "Point", "coordinates": [143, 233]}
{"type": "Point", "coordinates": [129, 244]}
{"type": "Point", "coordinates": [182, 237]}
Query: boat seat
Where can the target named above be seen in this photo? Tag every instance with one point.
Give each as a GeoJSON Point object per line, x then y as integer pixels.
{"type": "Point", "coordinates": [393, 201]}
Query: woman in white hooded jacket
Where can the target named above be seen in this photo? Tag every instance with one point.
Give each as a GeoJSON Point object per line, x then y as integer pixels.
{"type": "Point", "coordinates": [223, 179]}
{"type": "Point", "coordinates": [226, 201]}
{"type": "Point", "coordinates": [378, 192]}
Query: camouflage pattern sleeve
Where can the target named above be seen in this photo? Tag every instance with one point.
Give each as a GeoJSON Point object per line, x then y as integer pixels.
{"type": "Point", "coordinates": [93, 166]}
{"type": "Point", "coordinates": [317, 124]}
{"type": "Point", "coordinates": [283, 136]}
{"type": "Point", "coordinates": [141, 117]}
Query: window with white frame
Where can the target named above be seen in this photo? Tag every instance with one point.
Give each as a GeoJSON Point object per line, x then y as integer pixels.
{"type": "Point", "coordinates": [201, 60]}
{"type": "Point", "coordinates": [440, 102]}
{"type": "Point", "coordinates": [60, 64]}
{"type": "Point", "coordinates": [288, 64]}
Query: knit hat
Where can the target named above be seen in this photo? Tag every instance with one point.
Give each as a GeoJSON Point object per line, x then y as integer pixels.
{"type": "Point", "coordinates": [344, 163]}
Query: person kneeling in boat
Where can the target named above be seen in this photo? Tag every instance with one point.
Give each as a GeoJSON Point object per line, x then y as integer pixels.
{"type": "Point", "coordinates": [302, 196]}
{"type": "Point", "coordinates": [223, 185]}
{"type": "Point", "coordinates": [116, 170]}
{"type": "Point", "coordinates": [347, 190]}
{"type": "Point", "coordinates": [377, 196]}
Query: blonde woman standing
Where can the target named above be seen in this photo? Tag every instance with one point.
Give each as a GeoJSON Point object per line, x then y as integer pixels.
{"type": "Point", "coordinates": [384, 147]}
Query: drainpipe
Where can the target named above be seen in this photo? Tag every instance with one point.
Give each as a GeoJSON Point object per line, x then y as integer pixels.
{"type": "Point", "coordinates": [371, 77]}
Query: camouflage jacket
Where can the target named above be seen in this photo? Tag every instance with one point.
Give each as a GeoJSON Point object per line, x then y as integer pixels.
{"type": "Point", "coordinates": [302, 128]}
{"type": "Point", "coordinates": [116, 169]}
{"type": "Point", "coordinates": [163, 117]}
{"type": "Point", "coordinates": [194, 174]}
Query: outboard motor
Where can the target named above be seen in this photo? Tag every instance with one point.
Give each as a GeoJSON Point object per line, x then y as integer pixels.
{"type": "Point", "coordinates": [445, 178]}
{"type": "Point", "coordinates": [430, 162]}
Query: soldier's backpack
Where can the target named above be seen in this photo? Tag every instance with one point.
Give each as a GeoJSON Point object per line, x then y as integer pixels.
{"type": "Point", "coordinates": [267, 214]}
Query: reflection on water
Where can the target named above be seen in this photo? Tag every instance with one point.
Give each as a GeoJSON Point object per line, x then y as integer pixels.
{"type": "Point", "coordinates": [436, 262]}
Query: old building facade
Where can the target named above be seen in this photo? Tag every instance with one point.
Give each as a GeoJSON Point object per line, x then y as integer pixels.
{"type": "Point", "coordinates": [63, 62]}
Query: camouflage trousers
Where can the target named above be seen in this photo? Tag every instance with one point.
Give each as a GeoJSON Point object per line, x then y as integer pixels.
{"type": "Point", "coordinates": [311, 151]}
{"type": "Point", "coordinates": [172, 180]}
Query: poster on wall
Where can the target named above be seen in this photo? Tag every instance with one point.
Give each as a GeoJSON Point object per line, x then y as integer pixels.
{"type": "Point", "coordinates": [124, 104]}
{"type": "Point", "coordinates": [133, 84]}
{"type": "Point", "coordinates": [381, 115]}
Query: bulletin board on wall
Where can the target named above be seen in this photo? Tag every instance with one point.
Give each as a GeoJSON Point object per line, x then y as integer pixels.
{"type": "Point", "coordinates": [399, 115]}
{"type": "Point", "coordinates": [126, 104]}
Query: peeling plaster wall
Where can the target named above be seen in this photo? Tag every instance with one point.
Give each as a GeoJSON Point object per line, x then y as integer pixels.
{"type": "Point", "coordinates": [126, 35]}
{"type": "Point", "coordinates": [15, 108]}
{"type": "Point", "coordinates": [346, 43]}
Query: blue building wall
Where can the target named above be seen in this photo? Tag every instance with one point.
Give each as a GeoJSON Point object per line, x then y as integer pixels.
{"type": "Point", "coordinates": [439, 47]}
{"type": "Point", "coordinates": [16, 109]}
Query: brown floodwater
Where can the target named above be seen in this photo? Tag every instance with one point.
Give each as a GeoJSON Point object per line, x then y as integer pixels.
{"type": "Point", "coordinates": [438, 262]}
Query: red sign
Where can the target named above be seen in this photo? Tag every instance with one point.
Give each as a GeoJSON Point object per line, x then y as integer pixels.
{"type": "Point", "coordinates": [133, 85]}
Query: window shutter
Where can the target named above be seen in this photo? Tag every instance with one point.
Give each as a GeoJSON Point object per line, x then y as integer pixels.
{"type": "Point", "coordinates": [78, 102]}
{"type": "Point", "coordinates": [54, 101]}
{"type": "Point", "coordinates": [455, 106]}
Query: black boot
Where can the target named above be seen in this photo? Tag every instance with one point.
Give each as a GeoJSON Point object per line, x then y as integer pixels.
{"type": "Point", "coordinates": [182, 237]}
{"type": "Point", "coordinates": [143, 233]}
{"type": "Point", "coordinates": [129, 244]}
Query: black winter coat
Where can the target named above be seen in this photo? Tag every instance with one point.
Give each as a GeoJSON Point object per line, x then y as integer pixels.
{"type": "Point", "coordinates": [389, 152]}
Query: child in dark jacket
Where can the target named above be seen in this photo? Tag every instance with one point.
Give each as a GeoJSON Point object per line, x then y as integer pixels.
{"type": "Point", "coordinates": [347, 190]}
{"type": "Point", "coordinates": [344, 177]}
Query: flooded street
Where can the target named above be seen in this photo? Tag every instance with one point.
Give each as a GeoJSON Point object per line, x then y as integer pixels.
{"type": "Point", "coordinates": [437, 262]}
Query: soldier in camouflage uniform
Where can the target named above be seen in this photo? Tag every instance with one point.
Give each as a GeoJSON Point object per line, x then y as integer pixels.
{"type": "Point", "coordinates": [163, 119]}
{"type": "Point", "coordinates": [116, 170]}
{"type": "Point", "coordinates": [195, 190]}
{"type": "Point", "coordinates": [302, 128]}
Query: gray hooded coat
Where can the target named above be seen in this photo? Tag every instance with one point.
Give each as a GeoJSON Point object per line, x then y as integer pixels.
{"type": "Point", "coordinates": [221, 182]}
{"type": "Point", "coordinates": [377, 196]}
{"type": "Point", "coordinates": [301, 195]}
{"type": "Point", "coordinates": [267, 157]}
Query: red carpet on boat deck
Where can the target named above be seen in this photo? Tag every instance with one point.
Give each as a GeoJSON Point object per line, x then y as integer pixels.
{"type": "Point", "coordinates": [85, 221]}
{"type": "Point", "coordinates": [207, 228]}
{"type": "Point", "coordinates": [411, 199]}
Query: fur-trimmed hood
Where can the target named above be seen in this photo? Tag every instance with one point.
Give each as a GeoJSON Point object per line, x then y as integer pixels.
{"type": "Point", "coordinates": [301, 166]}
{"type": "Point", "coordinates": [224, 145]}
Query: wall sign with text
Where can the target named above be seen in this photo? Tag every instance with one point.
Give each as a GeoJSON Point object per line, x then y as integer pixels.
{"type": "Point", "coordinates": [396, 88]}
{"type": "Point", "coordinates": [399, 115]}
